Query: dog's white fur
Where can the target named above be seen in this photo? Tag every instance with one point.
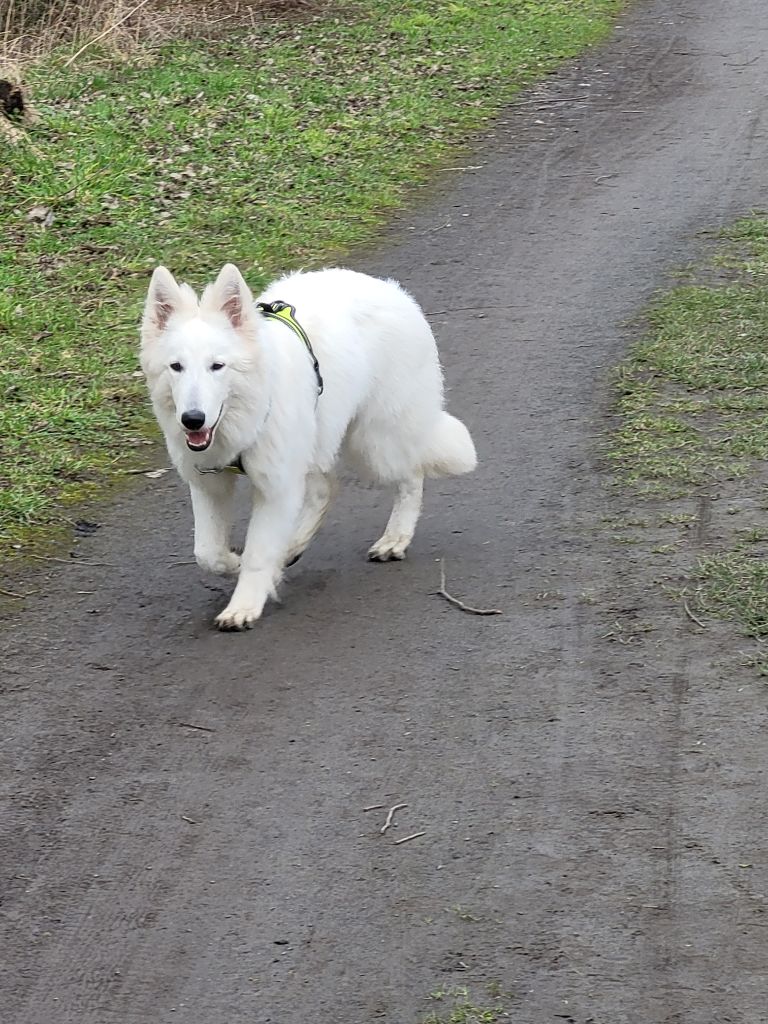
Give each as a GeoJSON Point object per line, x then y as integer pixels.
{"type": "Point", "coordinates": [382, 408]}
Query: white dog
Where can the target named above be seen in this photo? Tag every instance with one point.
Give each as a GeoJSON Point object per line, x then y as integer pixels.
{"type": "Point", "coordinates": [278, 392]}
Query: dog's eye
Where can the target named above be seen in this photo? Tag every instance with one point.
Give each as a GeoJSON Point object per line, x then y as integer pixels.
{"type": "Point", "coordinates": [217, 366]}
{"type": "Point", "coordinates": [177, 367]}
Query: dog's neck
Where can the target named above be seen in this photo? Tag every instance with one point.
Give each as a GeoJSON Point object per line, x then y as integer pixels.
{"type": "Point", "coordinates": [236, 464]}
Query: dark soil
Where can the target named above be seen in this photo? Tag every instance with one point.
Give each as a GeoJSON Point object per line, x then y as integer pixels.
{"type": "Point", "coordinates": [184, 836]}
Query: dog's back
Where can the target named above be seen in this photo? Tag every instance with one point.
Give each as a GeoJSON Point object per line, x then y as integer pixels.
{"type": "Point", "coordinates": [383, 382]}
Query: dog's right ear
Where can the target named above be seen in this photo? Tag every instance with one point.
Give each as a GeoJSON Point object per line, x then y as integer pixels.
{"type": "Point", "coordinates": [164, 298]}
{"type": "Point", "coordinates": [230, 295]}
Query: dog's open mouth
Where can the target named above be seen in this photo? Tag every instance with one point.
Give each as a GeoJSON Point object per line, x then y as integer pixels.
{"type": "Point", "coordinates": [200, 440]}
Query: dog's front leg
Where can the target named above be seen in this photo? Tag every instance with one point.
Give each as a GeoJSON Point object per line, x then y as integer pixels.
{"type": "Point", "coordinates": [270, 530]}
{"type": "Point", "coordinates": [212, 501]}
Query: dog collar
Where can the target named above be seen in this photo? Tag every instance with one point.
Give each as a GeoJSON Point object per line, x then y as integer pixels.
{"type": "Point", "coordinates": [235, 466]}
{"type": "Point", "coordinates": [286, 313]}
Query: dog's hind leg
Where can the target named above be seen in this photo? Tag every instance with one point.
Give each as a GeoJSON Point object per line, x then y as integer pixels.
{"type": "Point", "coordinates": [394, 542]}
{"type": "Point", "coordinates": [317, 498]}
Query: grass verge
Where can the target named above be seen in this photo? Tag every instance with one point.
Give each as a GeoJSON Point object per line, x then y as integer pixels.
{"type": "Point", "coordinates": [692, 437]}
{"type": "Point", "coordinates": [271, 151]}
{"type": "Point", "coordinates": [456, 1006]}
{"type": "Point", "coordinates": [735, 585]}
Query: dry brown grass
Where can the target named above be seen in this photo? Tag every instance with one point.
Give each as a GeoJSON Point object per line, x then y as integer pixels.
{"type": "Point", "coordinates": [32, 28]}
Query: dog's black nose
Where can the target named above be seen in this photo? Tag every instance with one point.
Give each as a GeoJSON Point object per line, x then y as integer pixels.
{"type": "Point", "coordinates": [193, 420]}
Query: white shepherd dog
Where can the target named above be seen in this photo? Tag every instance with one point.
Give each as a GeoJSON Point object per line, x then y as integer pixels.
{"type": "Point", "coordinates": [279, 397]}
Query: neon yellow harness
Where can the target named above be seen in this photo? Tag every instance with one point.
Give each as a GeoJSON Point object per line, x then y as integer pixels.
{"type": "Point", "coordinates": [286, 313]}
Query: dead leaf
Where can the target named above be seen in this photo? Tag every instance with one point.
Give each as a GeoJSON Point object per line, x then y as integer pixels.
{"type": "Point", "coordinates": [40, 215]}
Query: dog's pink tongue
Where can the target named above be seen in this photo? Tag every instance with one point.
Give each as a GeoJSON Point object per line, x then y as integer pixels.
{"type": "Point", "coordinates": [198, 438]}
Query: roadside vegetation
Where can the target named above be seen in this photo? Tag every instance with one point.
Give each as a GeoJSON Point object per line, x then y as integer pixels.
{"type": "Point", "coordinates": [692, 433]}
{"type": "Point", "coordinates": [457, 1005]}
{"type": "Point", "coordinates": [273, 148]}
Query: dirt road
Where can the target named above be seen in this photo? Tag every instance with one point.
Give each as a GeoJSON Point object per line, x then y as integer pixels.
{"type": "Point", "coordinates": [592, 793]}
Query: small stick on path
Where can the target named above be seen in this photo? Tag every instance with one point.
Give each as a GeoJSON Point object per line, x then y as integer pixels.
{"type": "Point", "coordinates": [373, 807]}
{"type": "Point", "coordinates": [74, 561]}
{"type": "Point", "coordinates": [442, 592]}
{"type": "Point", "coordinates": [692, 617]}
{"type": "Point", "coordinates": [407, 839]}
{"type": "Point", "coordinates": [463, 309]}
{"type": "Point", "coordinates": [744, 64]}
{"type": "Point", "coordinates": [13, 594]}
{"type": "Point", "coordinates": [200, 728]}
{"type": "Point", "coordinates": [390, 815]}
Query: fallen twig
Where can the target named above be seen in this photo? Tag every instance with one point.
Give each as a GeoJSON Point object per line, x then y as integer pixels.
{"type": "Point", "coordinates": [743, 64]}
{"type": "Point", "coordinates": [110, 28]}
{"type": "Point", "coordinates": [692, 617]}
{"type": "Point", "coordinates": [200, 728]}
{"type": "Point", "coordinates": [13, 594]}
{"type": "Point", "coordinates": [74, 561]}
{"type": "Point", "coordinates": [373, 807]}
{"type": "Point", "coordinates": [64, 373]}
{"type": "Point", "coordinates": [407, 839]}
{"type": "Point", "coordinates": [52, 200]}
{"type": "Point", "coordinates": [464, 309]}
{"type": "Point", "coordinates": [190, 820]}
{"type": "Point", "coordinates": [442, 592]}
{"type": "Point", "coordinates": [390, 815]}
{"type": "Point", "coordinates": [556, 99]}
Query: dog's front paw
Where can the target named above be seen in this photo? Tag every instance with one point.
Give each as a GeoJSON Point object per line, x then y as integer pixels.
{"type": "Point", "coordinates": [389, 549]}
{"type": "Point", "coordinates": [235, 619]}
{"type": "Point", "coordinates": [222, 563]}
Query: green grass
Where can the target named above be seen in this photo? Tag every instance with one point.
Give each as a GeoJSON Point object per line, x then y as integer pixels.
{"type": "Point", "coordinates": [693, 396]}
{"type": "Point", "coordinates": [692, 403]}
{"type": "Point", "coordinates": [458, 1007]}
{"type": "Point", "coordinates": [734, 586]}
{"type": "Point", "coordinates": [271, 152]}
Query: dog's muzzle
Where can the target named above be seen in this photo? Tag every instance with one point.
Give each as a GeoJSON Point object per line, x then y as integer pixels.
{"type": "Point", "coordinates": [199, 438]}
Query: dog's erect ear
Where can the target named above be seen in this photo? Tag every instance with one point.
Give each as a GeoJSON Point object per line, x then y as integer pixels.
{"type": "Point", "coordinates": [230, 295]}
{"type": "Point", "coordinates": [164, 298]}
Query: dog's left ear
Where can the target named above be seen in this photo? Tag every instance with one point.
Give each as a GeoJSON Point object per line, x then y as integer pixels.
{"type": "Point", "coordinates": [231, 296]}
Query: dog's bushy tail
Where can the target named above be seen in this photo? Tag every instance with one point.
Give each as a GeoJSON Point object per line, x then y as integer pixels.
{"type": "Point", "coordinates": [450, 449]}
